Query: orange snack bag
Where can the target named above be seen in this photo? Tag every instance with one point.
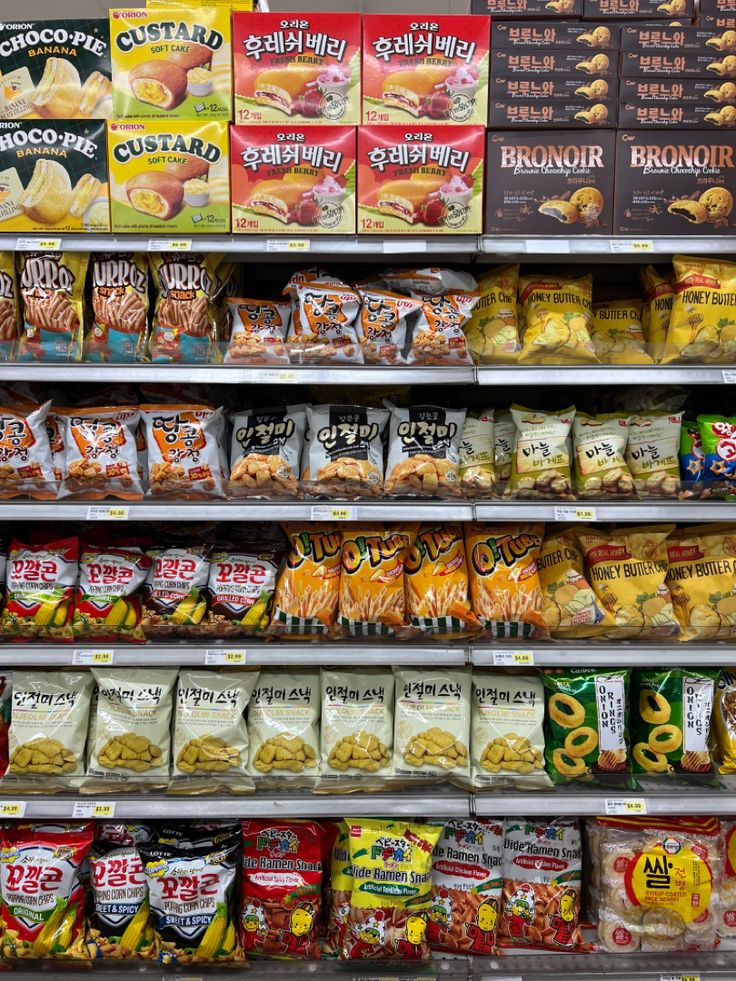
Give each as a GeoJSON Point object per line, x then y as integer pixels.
{"type": "Point", "coordinates": [308, 589]}
{"type": "Point", "coordinates": [183, 450]}
{"type": "Point", "coordinates": [101, 459]}
{"type": "Point", "coordinates": [436, 573]}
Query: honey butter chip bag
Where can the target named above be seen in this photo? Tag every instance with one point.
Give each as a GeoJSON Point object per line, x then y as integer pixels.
{"type": "Point", "coordinates": [174, 593]}
{"type": "Point", "coordinates": [283, 728]}
{"type": "Point", "coordinates": [600, 456]}
{"type": "Point", "coordinates": [39, 594]}
{"type": "Point", "coordinates": [477, 455]}
{"type": "Point", "coordinates": [43, 895]}
{"type": "Point", "coordinates": [265, 451]}
{"type": "Point", "coordinates": [587, 739]}
{"type": "Point", "coordinates": [108, 605]}
{"type": "Point", "coordinates": [391, 863]}
{"type": "Point", "coordinates": [671, 718]}
{"type": "Point", "coordinates": [130, 733]}
{"type": "Point", "coordinates": [703, 322]}
{"type": "Point", "coordinates": [183, 327]}
{"type": "Point", "coordinates": [659, 296]}
{"type": "Point", "coordinates": [372, 601]}
{"type": "Point", "coordinates": [437, 336]}
{"type": "Point", "coordinates": [259, 329]}
{"type": "Point", "coordinates": [505, 591]}
{"type": "Point", "coordinates": [541, 465]}
{"type": "Point", "coordinates": [558, 315]}
{"type": "Point", "coordinates": [432, 725]}
{"type": "Point", "coordinates": [436, 577]}
{"type": "Point", "coordinates": [627, 568]}
{"type": "Point", "coordinates": [382, 324]}
{"type": "Point", "coordinates": [701, 577]}
{"type": "Point", "coordinates": [9, 312]}
{"type": "Point", "coordinates": [26, 461]}
{"type": "Point", "coordinates": [182, 442]}
{"type": "Point", "coordinates": [325, 330]}
{"type": "Point", "coordinates": [466, 888]}
{"type": "Point", "coordinates": [101, 458]}
{"type": "Point", "coordinates": [308, 587]}
{"type": "Point", "coordinates": [119, 924]}
{"type": "Point", "coordinates": [424, 451]}
{"type": "Point", "coordinates": [120, 307]}
{"type": "Point", "coordinates": [718, 448]}
{"type": "Point", "coordinates": [570, 606]}
{"type": "Point", "coordinates": [240, 589]}
{"type": "Point", "coordinates": [210, 743]}
{"type": "Point", "coordinates": [51, 287]}
{"type": "Point", "coordinates": [618, 335]}
{"type": "Point", "coordinates": [652, 453]}
{"type": "Point", "coordinates": [492, 332]}
{"type": "Point", "coordinates": [344, 453]}
{"type": "Point", "coordinates": [281, 888]}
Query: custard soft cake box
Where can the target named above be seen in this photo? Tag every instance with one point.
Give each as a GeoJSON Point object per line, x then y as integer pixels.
{"type": "Point", "coordinates": [53, 176]}
{"type": "Point", "coordinates": [169, 178]}
{"type": "Point", "coordinates": [171, 62]}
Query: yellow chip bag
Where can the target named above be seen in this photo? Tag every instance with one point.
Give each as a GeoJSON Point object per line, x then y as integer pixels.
{"type": "Point", "coordinates": [493, 330]}
{"type": "Point", "coordinates": [505, 591]}
{"type": "Point", "coordinates": [600, 446]}
{"type": "Point", "coordinates": [8, 302]}
{"type": "Point", "coordinates": [652, 453]}
{"type": "Point", "coordinates": [618, 335]}
{"type": "Point", "coordinates": [627, 570]}
{"type": "Point", "coordinates": [558, 316]}
{"type": "Point", "coordinates": [703, 322]}
{"type": "Point", "coordinates": [702, 580]}
{"type": "Point", "coordinates": [659, 294]}
{"type": "Point", "coordinates": [437, 584]}
{"type": "Point", "coordinates": [540, 462]}
{"type": "Point", "coordinates": [570, 607]}
{"type": "Point", "coordinates": [477, 471]}
{"type": "Point", "coordinates": [307, 591]}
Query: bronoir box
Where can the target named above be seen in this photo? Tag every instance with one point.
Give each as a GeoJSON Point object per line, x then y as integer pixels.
{"type": "Point", "coordinates": [528, 8]}
{"type": "Point", "coordinates": [652, 37]}
{"type": "Point", "coordinates": [550, 183]}
{"type": "Point", "coordinates": [678, 91]}
{"type": "Point", "coordinates": [671, 183]}
{"type": "Point", "coordinates": [505, 88]}
{"type": "Point", "coordinates": [596, 64]}
{"type": "Point", "coordinates": [672, 63]}
{"type": "Point", "coordinates": [683, 10]}
{"type": "Point", "coordinates": [560, 113]}
{"type": "Point", "coordinates": [661, 115]}
{"type": "Point", "coordinates": [526, 35]}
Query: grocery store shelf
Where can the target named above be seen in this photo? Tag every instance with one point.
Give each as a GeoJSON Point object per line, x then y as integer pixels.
{"type": "Point", "coordinates": [527, 965]}
{"type": "Point", "coordinates": [587, 511]}
{"type": "Point", "coordinates": [594, 375]}
{"type": "Point", "coordinates": [553, 248]}
{"type": "Point", "coordinates": [593, 654]}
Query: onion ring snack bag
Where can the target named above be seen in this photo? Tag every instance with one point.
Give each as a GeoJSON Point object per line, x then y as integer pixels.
{"type": "Point", "coordinates": [120, 920]}
{"type": "Point", "coordinates": [600, 446]}
{"type": "Point", "coordinates": [308, 587]}
{"type": "Point", "coordinates": [477, 455]}
{"type": "Point", "coordinates": [618, 335]}
{"type": "Point", "coordinates": [240, 590]}
{"type": "Point", "coordinates": [283, 728]}
{"type": "Point", "coordinates": [559, 319]}
{"type": "Point", "coordinates": [652, 453]}
{"type": "Point", "coordinates": [702, 324]}
{"type": "Point", "coordinates": [437, 336]}
{"type": "Point", "coordinates": [570, 607]}
{"type": "Point", "coordinates": [424, 451]}
{"type": "Point", "coordinates": [392, 889]}
{"type": "Point", "coordinates": [183, 450]}
{"type": "Point", "coordinates": [701, 567]}
{"type": "Point", "coordinates": [120, 307]}
{"type": "Point", "coordinates": [52, 292]}
{"type": "Point", "coordinates": [265, 452]}
{"type": "Point", "coordinates": [357, 727]}
{"type": "Point", "coordinates": [101, 458]}
{"type": "Point", "coordinates": [541, 464]}
{"type": "Point", "coordinates": [183, 327]}
{"type": "Point", "coordinates": [344, 452]}
{"type": "Point", "coordinates": [382, 324]}
{"type": "Point", "coordinates": [26, 462]}
{"type": "Point", "coordinates": [39, 596]}
{"type": "Point", "coordinates": [492, 332]}
{"type": "Point", "coordinates": [437, 588]}
{"type": "Point", "coordinates": [372, 578]}
{"type": "Point", "coordinates": [9, 310]}
{"type": "Point", "coordinates": [107, 605]}
{"type": "Point", "coordinates": [174, 593]}
{"type": "Point", "coordinates": [659, 295]}
{"type": "Point", "coordinates": [259, 331]}
{"type": "Point", "coordinates": [325, 331]}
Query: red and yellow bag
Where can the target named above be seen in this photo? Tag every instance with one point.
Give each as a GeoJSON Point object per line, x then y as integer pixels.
{"type": "Point", "coordinates": [39, 595]}
{"type": "Point", "coordinates": [108, 604]}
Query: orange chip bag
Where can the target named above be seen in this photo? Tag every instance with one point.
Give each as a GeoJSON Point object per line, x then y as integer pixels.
{"type": "Point", "coordinates": [101, 458]}
{"type": "Point", "coordinates": [382, 325]}
{"type": "Point", "coordinates": [183, 450]}
{"type": "Point", "coordinates": [258, 331]}
{"type": "Point", "coordinates": [436, 573]}
{"type": "Point", "coordinates": [308, 588]}
{"type": "Point", "coordinates": [438, 336]}
{"type": "Point", "coordinates": [26, 466]}
{"type": "Point", "coordinates": [324, 330]}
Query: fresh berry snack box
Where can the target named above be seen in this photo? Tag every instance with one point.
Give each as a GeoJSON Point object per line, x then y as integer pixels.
{"type": "Point", "coordinates": [420, 180]}
{"type": "Point", "coordinates": [425, 68]}
{"type": "Point", "coordinates": [293, 179]}
{"type": "Point", "coordinates": [297, 68]}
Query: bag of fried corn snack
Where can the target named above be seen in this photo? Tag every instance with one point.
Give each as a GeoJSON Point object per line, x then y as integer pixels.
{"type": "Point", "coordinates": [174, 593]}
{"type": "Point", "coordinates": [493, 331]}
{"type": "Point", "coordinates": [600, 447]}
{"type": "Point", "coordinates": [701, 577]}
{"type": "Point", "coordinates": [39, 596]}
{"type": "Point", "coordinates": [119, 924]}
{"type": "Point", "coordinates": [436, 575]}
{"type": "Point", "coordinates": [283, 729]}
{"type": "Point", "coordinates": [652, 453]}
{"type": "Point", "coordinates": [702, 325]}
{"type": "Point", "coordinates": [240, 590]}
{"type": "Point", "coordinates": [541, 464]}
{"type": "Point", "coordinates": [308, 588]}
{"type": "Point", "coordinates": [108, 603]}
{"type": "Point", "coordinates": [558, 316]}
{"type": "Point", "coordinates": [477, 470]}
{"type": "Point", "coordinates": [659, 296]}
{"type": "Point", "coordinates": [618, 336]}
{"type": "Point", "coordinates": [570, 607]}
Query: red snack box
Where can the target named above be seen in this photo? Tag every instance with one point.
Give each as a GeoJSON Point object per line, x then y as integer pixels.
{"type": "Point", "coordinates": [425, 67]}
{"type": "Point", "coordinates": [421, 181]}
{"type": "Point", "coordinates": [297, 68]}
{"type": "Point", "coordinates": [293, 179]}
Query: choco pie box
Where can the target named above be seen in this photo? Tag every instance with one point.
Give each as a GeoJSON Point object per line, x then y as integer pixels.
{"type": "Point", "coordinates": [420, 180]}
{"type": "Point", "coordinates": [297, 68]}
{"type": "Point", "coordinates": [430, 68]}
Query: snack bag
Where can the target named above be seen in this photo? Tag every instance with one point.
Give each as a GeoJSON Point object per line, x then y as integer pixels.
{"type": "Point", "coordinates": [587, 734]}
{"type": "Point", "coordinates": [506, 732]}
{"type": "Point", "coordinates": [210, 747]}
{"type": "Point", "coordinates": [701, 577]}
{"type": "Point", "coordinates": [387, 918]}
{"type": "Point", "coordinates": [726, 923]}
{"type": "Point", "coordinates": [183, 327]}
{"type": "Point", "coordinates": [424, 451]}
{"type": "Point", "coordinates": [129, 735]}
{"type": "Point", "coordinates": [6, 684]}
{"type": "Point", "coordinates": [26, 461]}
{"type": "Point", "coordinates": [54, 430]}
{"type": "Point", "coordinates": [42, 891]}
{"type": "Point", "coordinates": [283, 727]}
{"type": "Point", "coordinates": [120, 917]}
{"type": "Point", "coordinates": [52, 291]}
{"type": "Point", "coordinates": [670, 722]}
{"type": "Point", "coordinates": [718, 446]}
{"type": "Point", "coordinates": [39, 596]}
{"type": "Point", "coordinates": [100, 459]}
{"type": "Point", "coordinates": [382, 325]}
{"type": "Point", "coordinates": [48, 729]}
{"type": "Point", "coordinates": [265, 452]}
{"type": "Point", "coordinates": [174, 593]}
{"type": "Point", "coordinates": [724, 725]}
{"type": "Point", "coordinates": [437, 337]}
{"type": "Point", "coordinates": [308, 588]}
{"type": "Point", "coordinates": [466, 888]}
{"type": "Point", "coordinates": [107, 606]}
{"type": "Point", "coordinates": [259, 329]}
{"type": "Point", "coordinates": [618, 335]}
{"type": "Point", "coordinates": [357, 727]}
{"type": "Point", "coordinates": [432, 724]}
{"type": "Point", "coordinates": [372, 578]}
{"type": "Point", "coordinates": [240, 590]}
{"type": "Point", "coordinates": [628, 569]}
{"type": "Point", "coordinates": [9, 312]}
{"type": "Point", "coordinates": [652, 453]}
{"type": "Point", "coordinates": [558, 314]}
{"type": "Point", "coordinates": [436, 578]}
{"type": "Point", "coordinates": [504, 442]}
{"type": "Point", "coordinates": [692, 463]}
{"type": "Point", "coordinates": [505, 592]}
{"type": "Point", "coordinates": [280, 909]}
{"type": "Point", "coordinates": [570, 607]}
{"type": "Point", "coordinates": [324, 332]}
{"type": "Point", "coordinates": [120, 307]}
{"type": "Point", "coordinates": [344, 452]}
{"type": "Point", "coordinates": [542, 882]}
{"type": "Point", "coordinates": [600, 448]}
{"type": "Point", "coordinates": [702, 325]}
{"type": "Point", "coordinates": [659, 295]}
{"type": "Point", "coordinates": [477, 462]}
{"type": "Point", "coordinates": [183, 452]}
{"type": "Point", "coordinates": [340, 887]}
{"type": "Point", "coordinates": [492, 332]}
{"type": "Point", "coordinates": [541, 466]}
{"type": "Point", "coordinates": [428, 282]}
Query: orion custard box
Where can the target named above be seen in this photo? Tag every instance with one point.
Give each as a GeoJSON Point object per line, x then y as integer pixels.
{"type": "Point", "coordinates": [662, 115]}
{"type": "Point", "coordinates": [528, 8]}
{"type": "Point", "coordinates": [433, 68]}
{"type": "Point", "coordinates": [420, 180]}
{"type": "Point", "coordinates": [554, 63]}
{"type": "Point", "coordinates": [505, 88]}
{"type": "Point", "coordinates": [171, 62]}
{"type": "Point", "coordinates": [297, 68]}
{"type": "Point", "coordinates": [653, 37]}
{"type": "Point", "coordinates": [670, 183]}
{"type": "Point", "coordinates": [166, 178]}
{"type": "Point", "coordinates": [560, 113]}
{"type": "Point", "coordinates": [676, 63]}
{"type": "Point", "coordinates": [552, 183]}
{"type": "Point", "coordinates": [545, 34]}
{"type": "Point", "coordinates": [55, 69]}
{"type": "Point", "coordinates": [293, 179]}
{"type": "Point", "coordinates": [676, 91]}
{"type": "Point", "coordinates": [53, 176]}
{"type": "Point", "coordinates": [641, 9]}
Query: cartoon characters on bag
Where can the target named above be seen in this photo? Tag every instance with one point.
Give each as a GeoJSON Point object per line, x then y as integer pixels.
{"type": "Point", "coordinates": [254, 925]}
{"type": "Point", "coordinates": [372, 934]}
{"type": "Point", "coordinates": [520, 910]}
{"type": "Point", "coordinates": [296, 938]}
{"type": "Point", "coordinates": [439, 922]}
{"type": "Point", "coordinates": [482, 932]}
{"type": "Point", "coordinates": [410, 948]}
{"type": "Point", "coordinates": [563, 922]}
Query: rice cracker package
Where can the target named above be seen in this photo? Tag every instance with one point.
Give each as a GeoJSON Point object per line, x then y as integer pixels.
{"type": "Point", "coordinates": [265, 452]}
{"type": "Point", "coordinates": [308, 588]}
{"type": "Point", "coordinates": [26, 460]}
{"type": "Point", "coordinates": [183, 450]}
{"type": "Point", "coordinates": [570, 607]}
{"type": "Point", "coordinates": [659, 294]}
{"type": "Point", "coordinates": [558, 317]}
{"type": "Point", "coordinates": [357, 727]}
{"type": "Point", "coordinates": [39, 597]}
{"type": "Point", "coordinates": [51, 288]}
{"type": "Point", "coordinates": [387, 917]}
{"type": "Point", "coordinates": [183, 327]}
{"type": "Point", "coordinates": [41, 882]}
{"type": "Point", "coordinates": [344, 452]}
{"type": "Point", "coordinates": [372, 599]}
{"type": "Point", "coordinates": [283, 729]}
{"type": "Point", "coordinates": [107, 605]}
{"type": "Point", "coordinates": [119, 331]}
{"type": "Point", "coordinates": [541, 464]}
{"type": "Point", "coordinates": [424, 451]}
{"type": "Point", "coordinates": [493, 330]}
{"type": "Point", "coordinates": [701, 571]}
{"type": "Point", "coordinates": [101, 458]}
{"type": "Point", "coordinates": [174, 593]}
{"type": "Point", "coordinates": [702, 325]}
{"type": "Point", "coordinates": [600, 448]}
{"type": "Point", "coordinates": [281, 888]}
{"type": "Point", "coordinates": [120, 918]}
{"type": "Point", "coordinates": [436, 577]}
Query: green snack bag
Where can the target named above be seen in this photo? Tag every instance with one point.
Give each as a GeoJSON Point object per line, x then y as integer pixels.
{"type": "Point", "coordinates": [718, 440]}
{"type": "Point", "coordinates": [692, 474]}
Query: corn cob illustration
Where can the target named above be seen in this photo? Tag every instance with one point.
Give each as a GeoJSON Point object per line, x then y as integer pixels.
{"type": "Point", "coordinates": [213, 935]}
{"type": "Point", "coordinates": [43, 942]}
{"type": "Point", "coordinates": [133, 933]}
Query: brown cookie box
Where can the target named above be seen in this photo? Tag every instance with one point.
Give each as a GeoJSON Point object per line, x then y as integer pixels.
{"type": "Point", "coordinates": [570, 87]}
{"type": "Point", "coordinates": [716, 8]}
{"type": "Point", "coordinates": [528, 8]}
{"type": "Point", "coordinates": [675, 63]}
{"type": "Point", "coordinates": [677, 91]}
{"type": "Point", "coordinates": [653, 115]}
{"type": "Point", "coordinates": [662, 169]}
{"type": "Point", "coordinates": [649, 9]}
{"type": "Point", "coordinates": [527, 35]}
{"type": "Point", "coordinates": [655, 37]}
{"type": "Point", "coordinates": [554, 63]}
{"type": "Point", "coordinates": [563, 113]}
{"type": "Point", "coordinates": [525, 170]}
{"type": "Point", "coordinates": [723, 22]}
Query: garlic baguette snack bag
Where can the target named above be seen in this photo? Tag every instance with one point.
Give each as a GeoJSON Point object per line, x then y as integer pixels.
{"type": "Point", "coordinates": [541, 464]}
{"type": "Point", "coordinates": [600, 447]}
{"type": "Point", "coordinates": [652, 453]}
{"type": "Point", "coordinates": [283, 729]}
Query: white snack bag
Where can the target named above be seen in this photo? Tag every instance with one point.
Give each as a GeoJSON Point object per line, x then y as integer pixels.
{"type": "Point", "coordinates": [507, 731]}
{"type": "Point", "coordinates": [259, 331]}
{"type": "Point", "coordinates": [210, 748]}
{"type": "Point", "coordinates": [266, 450]}
{"type": "Point", "coordinates": [652, 453]}
{"type": "Point", "coordinates": [101, 458]}
{"type": "Point", "coordinates": [283, 728]}
{"type": "Point", "coordinates": [344, 453]}
{"type": "Point", "coordinates": [183, 450]}
{"type": "Point", "coordinates": [424, 451]}
{"type": "Point", "coordinates": [438, 336]}
{"type": "Point", "coordinates": [432, 724]}
{"type": "Point", "coordinates": [430, 281]}
{"type": "Point", "coordinates": [130, 735]}
{"type": "Point", "coordinates": [477, 470]}
{"type": "Point", "coordinates": [322, 329]}
{"type": "Point", "coordinates": [600, 449]}
{"type": "Point", "coordinates": [27, 466]}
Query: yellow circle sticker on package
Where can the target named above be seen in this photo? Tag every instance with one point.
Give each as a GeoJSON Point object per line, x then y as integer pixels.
{"type": "Point", "coordinates": [671, 877]}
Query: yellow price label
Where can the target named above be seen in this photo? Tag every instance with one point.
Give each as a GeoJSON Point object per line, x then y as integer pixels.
{"type": "Point", "coordinates": [331, 512]}
{"type": "Point", "coordinates": [569, 513]}
{"type": "Point", "coordinates": [501, 658]}
{"type": "Point", "coordinates": [38, 244]}
{"type": "Point", "coordinates": [106, 512]}
{"type": "Point", "coordinates": [298, 245]}
{"type": "Point", "coordinates": [286, 376]}
{"type": "Point", "coordinates": [288, 245]}
{"type": "Point", "coordinates": [216, 656]}
{"type": "Point", "coordinates": [12, 808]}
{"type": "Point", "coordinates": [94, 809]}
{"type": "Point", "coordinates": [615, 806]}
{"type": "Point", "coordinates": [93, 657]}
{"type": "Point", "coordinates": [585, 514]}
{"type": "Point", "coordinates": [632, 245]}
{"type": "Point", "coordinates": [170, 245]}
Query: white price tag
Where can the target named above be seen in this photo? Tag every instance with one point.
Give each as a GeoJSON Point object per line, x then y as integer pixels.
{"type": "Point", "coordinates": [277, 377]}
{"type": "Point", "coordinates": [216, 656]}
{"type": "Point", "coordinates": [504, 658]}
{"type": "Point", "coordinates": [170, 245]}
{"type": "Point", "coordinates": [38, 245]}
{"type": "Point", "coordinates": [94, 809]}
{"type": "Point", "coordinates": [574, 514]}
{"type": "Point", "coordinates": [93, 657]}
{"type": "Point", "coordinates": [729, 376]}
{"type": "Point", "coordinates": [288, 245]}
{"type": "Point", "coordinates": [12, 808]}
{"type": "Point", "coordinates": [632, 245]}
{"type": "Point", "coordinates": [544, 246]}
{"type": "Point", "coordinates": [107, 512]}
{"type": "Point", "coordinates": [679, 977]}
{"type": "Point", "coordinates": [399, 246]}
{"type": "Point", "coordinates": [616, 806]}
{"type": "Point", "coordinates": [334, 512]}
